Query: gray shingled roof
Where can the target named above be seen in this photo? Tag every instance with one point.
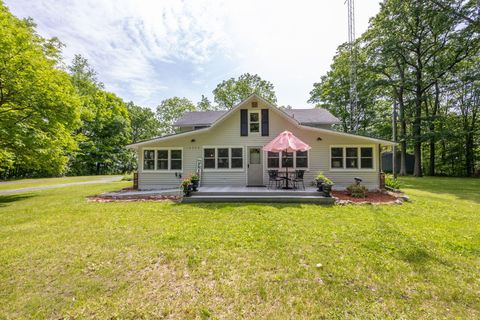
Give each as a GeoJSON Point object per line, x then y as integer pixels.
{"type": "Point", "coordinates": [312, 116]}
{"type": "Point", "coordinates": [199, 118]}
{"type": "Point", "coordinates": [304, 116]}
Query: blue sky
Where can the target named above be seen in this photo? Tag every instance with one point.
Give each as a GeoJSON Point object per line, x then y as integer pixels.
{"type": "Point", "coordinates": [146, 51]}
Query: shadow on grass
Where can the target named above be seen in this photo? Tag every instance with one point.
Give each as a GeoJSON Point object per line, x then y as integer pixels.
{"type": "Point", "coordinates": [233, 205]}
{"type": "Point", "coordinates": [6, 199]}
{"type": "Point", "coordinates": [462, 188]}
{"type": "Point", "coordinates": [401, 246]}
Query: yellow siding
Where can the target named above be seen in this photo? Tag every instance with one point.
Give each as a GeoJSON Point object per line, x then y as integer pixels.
{"type": "Point", "coordinates": [227, 133]}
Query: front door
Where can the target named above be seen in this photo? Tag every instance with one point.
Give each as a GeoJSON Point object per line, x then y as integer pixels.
{"type": "Point", "coordinates": [255, 166]}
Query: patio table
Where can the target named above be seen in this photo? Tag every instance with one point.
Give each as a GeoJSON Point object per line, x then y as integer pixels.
{"type": "Point", "coordinates": [287, 177]}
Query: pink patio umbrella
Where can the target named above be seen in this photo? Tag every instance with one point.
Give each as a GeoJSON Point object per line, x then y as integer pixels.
{"type": "Point", "coordinates": [286, 142]}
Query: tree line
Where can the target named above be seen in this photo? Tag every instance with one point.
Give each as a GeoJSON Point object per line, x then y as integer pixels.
{"type": "Point", "coordinates": [421, 56]}
{"type": "Point", "coordinates": [58, 119]}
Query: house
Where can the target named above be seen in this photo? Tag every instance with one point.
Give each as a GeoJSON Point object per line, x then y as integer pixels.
{"type": "Point", "coordinates": [225, 147]}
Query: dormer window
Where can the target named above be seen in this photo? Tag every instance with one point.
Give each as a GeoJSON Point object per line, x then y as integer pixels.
{"type": "Point", "coordinates": [254, 122]}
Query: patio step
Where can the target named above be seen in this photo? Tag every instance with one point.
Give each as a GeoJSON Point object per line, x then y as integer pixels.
{"type": "Point", "coordinates": [275, 193]}
{"type": "Point", "coordinates": [276, 198]}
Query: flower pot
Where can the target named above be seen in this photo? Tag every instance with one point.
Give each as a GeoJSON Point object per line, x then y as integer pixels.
{"type": "Point", "coordinates": [195, 185]}
{"type": "Point", "coordinates": [320, 185]}
{"type": "Point", "coordinates": [327, 190]}
{"type": "Point", "coordinates": [187, 190]}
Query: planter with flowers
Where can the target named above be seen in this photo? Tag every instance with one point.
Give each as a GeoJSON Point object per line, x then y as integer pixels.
{"type": "Point", "coordinates": [195, 181]}
{"type": "Point", "coordinates": [324, 184]}
{"type": "Point", "coordinates": [187, 187]}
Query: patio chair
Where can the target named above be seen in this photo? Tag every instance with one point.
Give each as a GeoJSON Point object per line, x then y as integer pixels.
{"type": "Point", "coordinates": [298, 179]}
{"type": "Point", "coordinates": [274, 178]}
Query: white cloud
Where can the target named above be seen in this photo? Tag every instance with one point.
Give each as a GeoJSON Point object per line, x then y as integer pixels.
{"type": "Point", "coordinates": [150, 50]}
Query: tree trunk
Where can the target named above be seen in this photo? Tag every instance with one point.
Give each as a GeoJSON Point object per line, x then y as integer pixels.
{"type": "Point", "coordinates": [431, 128]}
{"type": "Point", "coordinates": [417, 130]}
{"type": "Point", "coordinates": [403, 124]}
{"type": "Point", "coordinates": [469, 154]}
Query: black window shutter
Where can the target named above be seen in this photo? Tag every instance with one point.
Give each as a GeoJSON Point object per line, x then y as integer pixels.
{"type": "Point", "coordinates": [265, 122]}
{"type": "Point", "coordinates": [243, 122]}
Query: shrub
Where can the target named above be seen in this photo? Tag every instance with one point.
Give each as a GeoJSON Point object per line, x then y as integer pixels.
{"type": "Point", "coordinates": [391, 182]}
{"type": "Point", "coordinates": [357, 191]}
{"type": "Point", "coordinates": [325, 179]}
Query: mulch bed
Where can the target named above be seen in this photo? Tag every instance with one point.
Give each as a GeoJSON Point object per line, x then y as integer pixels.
{"type": "Point", "coordinates": [132, 198]}
{"type": "Point", "coordinates": [342, 197]}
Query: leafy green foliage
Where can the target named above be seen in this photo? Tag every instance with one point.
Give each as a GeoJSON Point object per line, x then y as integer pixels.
{"type": "Point", "coordinates": [391, 182]}
{"type": "Point", "coordinates": [322, 177]}
{"type": "Point", "coordinates": [230, 92]}
{"type": "Point", "coordinates": [38, 105]}
{"type": "Point", "coordinates": [105, 126]}
{"type": "Point", "coordinates": [170, 110]}
{"type": "Point", "coordinates": [357, 190]}
{"type": "Point", "coordinates": [143, 123]}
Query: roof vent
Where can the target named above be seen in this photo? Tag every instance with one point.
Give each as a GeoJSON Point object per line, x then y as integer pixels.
{"type": "Point", "coordinates": [254, 104]}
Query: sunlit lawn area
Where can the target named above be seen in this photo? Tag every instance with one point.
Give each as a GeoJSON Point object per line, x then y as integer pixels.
{"type": "Point", "coordinates": [63, 257]}
{"type": "Point", "coordinates": [28, 183]}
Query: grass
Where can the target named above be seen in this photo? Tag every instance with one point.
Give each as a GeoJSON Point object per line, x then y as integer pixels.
{"type": "Point", "coordinates": [62, 257]}
{"type": "Point", "coordinates": [28, 183]}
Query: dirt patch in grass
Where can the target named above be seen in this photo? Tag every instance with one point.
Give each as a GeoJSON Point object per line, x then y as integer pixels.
{"type": "Point", "coordinates": [343, 197]}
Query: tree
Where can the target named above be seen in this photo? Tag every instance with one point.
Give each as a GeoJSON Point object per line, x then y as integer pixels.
{"type": "Point", "coordinates": [38, 106]}
{"type": "Point", "coordinates": [170, 110]}
{"type": "Point", "coordinates": [143, 123]}
{"type": "Point", "coordinates": [430, 41]}
{"type": "Point", "coordinates": [333, 91]}
{"type": "Point", "coordinates": [105, 126]}
{"type": "Point", "coordinates": [230, 92]}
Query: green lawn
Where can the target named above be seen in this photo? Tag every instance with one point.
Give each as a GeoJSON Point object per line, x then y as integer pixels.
{"type": "Point", "coordinates": [28, 183]}
{"type": "Point", "coordinates": [61, 257]}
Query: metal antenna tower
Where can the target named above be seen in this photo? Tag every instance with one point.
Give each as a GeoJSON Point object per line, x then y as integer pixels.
{"type": "Point", "coordinates": [353, 64]}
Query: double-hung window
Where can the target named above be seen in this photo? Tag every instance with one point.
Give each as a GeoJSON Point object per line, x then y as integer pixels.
{"type": "Point", "coordinates": [224, 158]}
{"type": "Point", "coordinates": [162, 159]}
{"type": "Point", "coordinates": [209, 158]}
{"type": "Point", "coordinates": [237, 158]}
{"type": "Point", "coordinates": [351, 157]}
{"type": "Point", "coordinates": [254, 122]}
{"type": "Point", "coordinates": [277, 160]}
{"type": "Point", "coordinates": [148, 159]}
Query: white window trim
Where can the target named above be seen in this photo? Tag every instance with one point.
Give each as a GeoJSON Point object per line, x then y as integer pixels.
{"type": "Point", "coordinates": [216, 169]}
{"type": "Point", "coordinates": [259, 122]}
{"type": "Point", "coordinates": [344, 155]}
{"type": "Point", "coordinates": [155, 170]}
{"type": "Point", "coordinates": [294, 162]}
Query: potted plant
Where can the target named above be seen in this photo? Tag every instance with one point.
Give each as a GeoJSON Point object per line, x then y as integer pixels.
{"type": "Point", "coordinates": [187, 187]}
{"type": "Point", "coordinates": [324, 184]}
{"type": "Point", "coordinates": [195, 181]}
{"type": "Point", "coordinates": [319, 181]}
{"type": "Point", "coordinates": [327, 187]}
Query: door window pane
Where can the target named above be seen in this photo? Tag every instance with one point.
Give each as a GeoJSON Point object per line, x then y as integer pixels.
{"type": "Point", "coordinates": [148, 159]}
{"type": "Point", "coordinates": [254, 156]}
